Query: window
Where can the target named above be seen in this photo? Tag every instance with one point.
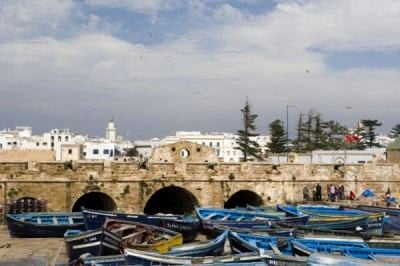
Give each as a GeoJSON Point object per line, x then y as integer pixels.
{"type": "Point", "coordinates": [204, 143]}
{"type": "Point", "coordinates": [95, 151]}
{"type": "Point", "coordinates": [173, 149]}
{"type": "Point", "coordinates": [59, 138]}
{"type": "Point", "coordinates": [84, 153]}
{"type": "Point", "coordinates": [210, 144]}
{"type": "Point", "coordinates": [217, 144]}
{"type": "Point", "coordinates": [198, 150]}
{"type": "Point", "coordinates": [106, 151]}
{"type": "Point", "coordinates": [15, 143]}
{"type": "Point", "coordinates": [66, 138]}
{"type": "Point", "coordinates": [69, 151]}
{"type": "Point", "coordinates": [37, 143]}
{"type": "Point", "coordinates": [52, 144]}
{"type": "Point", "coordinates": [44, 143]}
{"type": "Point", "coordinates": [52, 137]}
{"type": "Point", "coordinates": [218, 153]}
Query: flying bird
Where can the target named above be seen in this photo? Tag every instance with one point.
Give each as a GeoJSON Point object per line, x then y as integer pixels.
{"type": "Point", "coordinates": [307, 71]}
{"type": "Point", "coordinates": [349, 107]}
{"type": "Point", "coordinates": [150, 34]}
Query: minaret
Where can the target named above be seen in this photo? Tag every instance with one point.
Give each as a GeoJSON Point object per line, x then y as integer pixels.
{"type": "Point", "coordinates": [111, 131]}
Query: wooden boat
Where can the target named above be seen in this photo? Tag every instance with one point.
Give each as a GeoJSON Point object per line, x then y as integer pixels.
{"type": "Point", "coordinates": [43, 224]}
{"type": "Point", "coordinates": [240, 219]}
{"type": "Point", "coordinates": [188, 226]}
{"type": "Point", "coordinates": [318, 259]}
{"type": "Point", "coordinates": [219, 229]}
{"type": "Point", "coordinates": [143, 236]}
{"type": "Point", "coordinates": [136, 257]}
{"type": "Point", "coordinates": [118, 260]}
{"type": "Point", "coordinates": [99, 242]}
{"type": "Point", "coordinates": [214, 247]}
{"type": "Point", "coordinates": [334, 218]}
{"type": "Point", "coordinates": [392, 224]}
{"type": "Point", "coordinates": [388, 210]}
{"type": "Point", "coordinates": [268, 210]}
{"type": "Point", "coordinates": [243, 243]}
{"type": "Point", "coordinates": [305, 229]}
{"type": "Point", "coordinates": [357, 249]}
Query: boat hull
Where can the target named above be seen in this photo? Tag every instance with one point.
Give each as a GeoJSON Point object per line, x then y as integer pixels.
{"type": "Point", "coordinates": [213, 248]}
{"type": "Point", "coordinates": [100, 242]}
{"type": "Point", "coordinates": [188, 228]}
{"type": "Point", "coordinates": [18, 228]}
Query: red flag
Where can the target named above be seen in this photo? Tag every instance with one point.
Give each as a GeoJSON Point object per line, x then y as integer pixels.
{"type": "Point", "coordinates": [350, 138]}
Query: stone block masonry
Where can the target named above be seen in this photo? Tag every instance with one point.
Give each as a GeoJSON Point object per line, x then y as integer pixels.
{"type": "Point", "coordinates": [124, 186]}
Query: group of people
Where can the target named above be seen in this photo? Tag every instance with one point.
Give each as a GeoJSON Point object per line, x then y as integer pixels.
{"type": "Point", "coordinates": [334, 193]}
{"type": "Point", "coordinates": [317, 196]}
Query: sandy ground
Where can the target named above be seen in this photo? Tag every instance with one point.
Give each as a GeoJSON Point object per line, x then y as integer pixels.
{"type": "Point", "coordinates": [30, 251]}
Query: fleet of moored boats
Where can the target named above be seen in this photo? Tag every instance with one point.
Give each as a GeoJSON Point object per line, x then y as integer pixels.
{"type": "Point", "coordinates": [281, 235]}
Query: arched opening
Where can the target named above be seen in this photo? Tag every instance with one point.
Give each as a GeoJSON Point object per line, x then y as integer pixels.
{"type": "Point", "coordinates": [175, 200]}
{"type": "Point", "coordinates": [95, 201]}
{"type": "Point", "coordinates": [242, 198]}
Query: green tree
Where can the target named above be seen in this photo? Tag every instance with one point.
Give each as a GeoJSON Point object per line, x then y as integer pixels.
{"type": "Point", "coordinates": [278, 138]}
{"type": "Point", "coordinates": [248, 147]}
{"type": "Point", "coordinates": [395, 132]}
{"type": "Point", "coordinates": [368, 132]}
{"type": "Point", "coordinates": [334, 132]}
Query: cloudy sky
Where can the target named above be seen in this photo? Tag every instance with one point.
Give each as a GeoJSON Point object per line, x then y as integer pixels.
{"type": "Point", "coordinates": [158, 66]}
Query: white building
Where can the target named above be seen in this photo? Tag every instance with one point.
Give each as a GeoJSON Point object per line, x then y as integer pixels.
{"type": "Point", "coordinates": [333, 157]}
{"type": "Point", "coordinates": [145, 147]}
{"type": "Point", "coordinates": [111, 131]}
{"type": "Point", "coordinates": [66, 144]}
{"type": "Point", "coordinates": [225, 144]}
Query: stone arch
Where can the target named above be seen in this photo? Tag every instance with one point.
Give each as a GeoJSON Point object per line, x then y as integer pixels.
{"type": "Point", "coordinates": [96, 201]}
{"type": "Point", "coordinates": [172, 199]}
{"type": "Point", "coordinates": [243, 197]}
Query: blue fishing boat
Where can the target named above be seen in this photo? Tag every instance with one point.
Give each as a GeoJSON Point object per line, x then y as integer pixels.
{"type": "Point", "coordinates": [243, 243]}
{"type": "Point", "coordinates": [392, 224]}
{"type": "Point", "coordinates": [43, 224]}
{"type": "Point", "coordinates": [357, 249]}
{"type": "Point", "coordinates": [264, 209]}
{"type": "Point", "coordinates": [118, 260]}
{"type": "Point", "coordinates": [290, 232]}
{"type": "Point", "coordinates": [188, 226]}
{"type": "Point", "coordinates": [136, 257]}
{"type": "Point", "coordinates": [99, 242]}
{"type": "Point", "coordinates": [211, 248]}
{"type": "Point", "coordinates": [210, 217]}
{"type": "Point", "coordinates": [335, 218]}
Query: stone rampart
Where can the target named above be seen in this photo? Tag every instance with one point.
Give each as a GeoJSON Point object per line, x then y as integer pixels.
{"type": "Point", "coordinates": [211, 184]}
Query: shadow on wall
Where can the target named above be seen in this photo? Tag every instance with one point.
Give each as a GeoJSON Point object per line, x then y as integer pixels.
{"type": "Point", "coordinates": [242, 198]}
{"type": "Point", "coordinates": [95, 201]}
{"type": "Point", "coordinates": [172, 199]}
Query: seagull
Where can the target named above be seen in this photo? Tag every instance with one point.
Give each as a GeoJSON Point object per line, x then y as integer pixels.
{"type": "Point", "coordinates": [349, 107]}
{"type": "Point", "coordinates": [307, 71]}
{"type": "Point", "coordinates": [150, 35]}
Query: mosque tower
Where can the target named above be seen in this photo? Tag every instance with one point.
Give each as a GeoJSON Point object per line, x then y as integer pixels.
{"type": "Point", "coordinates": [111, 131]}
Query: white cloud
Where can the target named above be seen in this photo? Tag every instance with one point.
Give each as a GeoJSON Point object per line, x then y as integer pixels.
{"type": "Point", "coordinates": [149, 7]}
{"type": "Point", "coordinates": [265, 57]}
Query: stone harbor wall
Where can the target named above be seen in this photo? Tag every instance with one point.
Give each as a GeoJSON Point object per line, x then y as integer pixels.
{"type": "Point", "coordinates": [121, 185]}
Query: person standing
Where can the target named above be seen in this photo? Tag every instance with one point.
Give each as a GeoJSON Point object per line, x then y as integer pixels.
{"type": "Point", "coordinates": [333, 193]}
{"type": "Point", "coordinates": [387, 197]}
{"type": "Point", "coordinates": [306, 194]}
{"type": "Point", "coordinates": [318, 192]}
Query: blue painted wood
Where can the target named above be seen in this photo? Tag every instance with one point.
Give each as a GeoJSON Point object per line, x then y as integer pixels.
{"type": "Point", "coordinates": [188, 226]}
{"type": "Point", "coordinates": [99, 242]}
{"type": "Point", "coordinates": [211, 217]}
{"type": "Point", "coordinates": [212, 248]}
{"type": "Point", "coordinates": [45, 224]}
